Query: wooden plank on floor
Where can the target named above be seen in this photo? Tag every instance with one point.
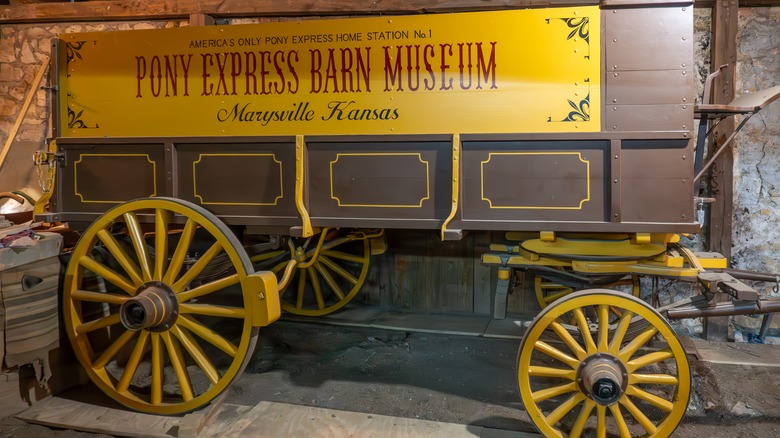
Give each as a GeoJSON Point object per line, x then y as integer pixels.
{"type": "Point", "coordinates": [279, 420]}
{"type": "Point", "coordinates": [70, 414]}
{"type": "Point", "coordinates": [733, 353]}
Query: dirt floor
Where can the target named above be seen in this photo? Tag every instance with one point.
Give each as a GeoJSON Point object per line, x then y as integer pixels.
{"type": "Point", "coordinates": [458, 379]}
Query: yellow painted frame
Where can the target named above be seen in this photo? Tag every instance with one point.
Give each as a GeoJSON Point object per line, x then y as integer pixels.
{"type": "Point", "coordinates": [195, 183]}
{"type": "Point", "coordinates": [530, 207]}
{"type": "Point", "coordinates": [81, 158]}
{"type": "Point", "coordinates": [384, 154]}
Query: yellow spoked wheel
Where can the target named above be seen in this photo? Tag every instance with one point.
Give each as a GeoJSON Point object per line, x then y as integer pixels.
{"type": "Point", "coordinates": [548, 291]}
{"type": "Point", "coordinates": [607, 378]}
{"type": "Point", "coordinates": [149, 333]}
{"type": "Point", "coordinates": [330, 270]}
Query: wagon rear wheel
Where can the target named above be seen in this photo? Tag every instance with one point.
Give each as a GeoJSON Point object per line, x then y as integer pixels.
{"type": "Point", "coordinates": [325, 279]}
{"type": "Point", "coordinates": [629, 377]}
{"type": "Point", "coordinates": [140, 317]}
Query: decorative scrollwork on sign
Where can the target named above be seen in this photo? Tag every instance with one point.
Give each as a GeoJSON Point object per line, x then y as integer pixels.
{"type": "Point", "coordinates": [72, 53]}
{"type": "Point", "coordinates": [581, 112]}
{"type": "Point", "coordinates": [580, 26]}
{"type": "Point", "coordinates": [74, 118]}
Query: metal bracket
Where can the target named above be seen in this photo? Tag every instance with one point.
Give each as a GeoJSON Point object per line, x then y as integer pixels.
{"type": "Point", "coordinates": [722, 282]}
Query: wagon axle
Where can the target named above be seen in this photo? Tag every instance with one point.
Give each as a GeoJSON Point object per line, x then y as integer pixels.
{"type": "Point", "coordinates": [154, 307]}
{"type": "Point", "coordinates": [603, 378]}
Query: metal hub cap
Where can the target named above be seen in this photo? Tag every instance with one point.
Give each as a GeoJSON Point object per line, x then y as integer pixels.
{"type": "Point", "coordinates": [603, 378]}
{"type": "Point", "coordinates": [153, 307]}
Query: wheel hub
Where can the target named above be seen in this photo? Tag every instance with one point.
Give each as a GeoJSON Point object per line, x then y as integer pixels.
{"type": "Point", "coordinates": [603, 378]}
{"type": "Point", "coordinates": [153, 307]}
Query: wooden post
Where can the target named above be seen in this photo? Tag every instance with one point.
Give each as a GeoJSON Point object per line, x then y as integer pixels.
{"type": "Point", "coordinates": [721, 183]}
{"type": "Point", "coordinates": [201, 20]}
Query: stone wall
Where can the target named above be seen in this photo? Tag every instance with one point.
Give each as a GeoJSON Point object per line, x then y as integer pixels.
{"type": "Point", "coordinates": [23, 50]}
{"type": "Point", "coordinates": [756, 235]}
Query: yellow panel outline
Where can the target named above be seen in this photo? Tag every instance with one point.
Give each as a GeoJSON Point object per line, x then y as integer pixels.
{"type": "Point", "coordinates": [531, 207]}
{"type": "Point", "coordinates": [195, 182]}
{"type": "Point", "coordinates": [384, 154]}
{"type": "Point", "coordinates": [76, 176]}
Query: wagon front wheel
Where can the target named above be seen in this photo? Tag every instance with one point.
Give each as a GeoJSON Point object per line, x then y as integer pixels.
{"type": "Point", "coordinates": [627, 376]}
{"type": "Point", "coordinates": [150, 329]}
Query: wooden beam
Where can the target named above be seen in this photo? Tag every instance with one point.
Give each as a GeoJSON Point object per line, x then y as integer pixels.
{"type": "Point", "coordinates": [721, 183]}
{"type": "Point", "coordinates": [724, 52]}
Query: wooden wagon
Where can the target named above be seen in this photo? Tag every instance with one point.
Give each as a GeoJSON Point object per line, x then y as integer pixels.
{"type": "Point", "coordinates": [230, 172]}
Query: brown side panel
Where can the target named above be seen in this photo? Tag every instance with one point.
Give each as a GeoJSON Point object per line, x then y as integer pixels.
{"type": "Point", "coordinates": [649, 69]}
{"type": "Point", "coordinates": [239, 179]}
{"type": "Point", "coordinates": [379, 181]}
{"type": "Point", "coordinates": [657, 181]}
{"type": "Point", "coordinates": [534, 181]}
{"type": "Point", "coordinates": [97, 177]}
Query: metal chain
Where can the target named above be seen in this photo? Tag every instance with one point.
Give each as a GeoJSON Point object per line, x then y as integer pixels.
{"type": "Point", "coordinates": [45, 178]}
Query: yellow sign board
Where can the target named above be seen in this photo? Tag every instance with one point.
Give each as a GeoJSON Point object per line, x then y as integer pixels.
{"type": "Point", "coordinates": [481, 72]}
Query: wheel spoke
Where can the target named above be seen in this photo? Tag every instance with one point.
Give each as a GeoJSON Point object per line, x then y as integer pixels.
{"type": "Point", "coordinates": [539, 371]}
{"type": "Point", "coordinates": [556, 354]}
{"type": "Point", "coordinates": [157, 369]}
{"type": "Point", "coordinates": [121, 256]}
{"type": "Point", "coordinates": [620, 332]}
{"type": "Point", "coordinates": [266, 256]}
{"type": "Point", "coordinates": [113, 349]}
{"type": "Point", "coordinates": [660, 403]}
{"type": "Point", "coordinates": [180, 253]}
{"type": "Point", "coordinates": [568, 339]}
{"type": "Point", "coordinates": [132, 363]}
{"type": "Point", "coordinates": [652, 379]}
{"type": "Point", "coordinates": [547, 393]}
{"type": "Point", "coordinates": [649, 359]}
{"type": "Point", "coordinates": [344, 256]}
{"type": "Point", "coordinates": [179, 366]}
{"type": "Point", "coordinates": [632, 347]}
{"type": "Point", "coordinates": [197, 268]}
{"type": "Point", "coordinates": [338, 269]}
{"type": "Point", "coordinates": [621, 422]}
{"type": "Point", "coordinates": [582, 418]}
{"type": "Point", "coordinates": [582, 323]}
{"type": "Point", "coordinates": [601, 421]}
{"type": "Point", "coordinates": [640, 418]}
{"type": "Point", "coordinates": [329, 280]}
{"type": "Point", "coordinates": [137, 237]}
{"type": "Point", "coordinates": [564, 408]}
{"type": "Point", "coordinates": [554, 296]}
{"type": "Point", "coordinates": [301, 289]}
{"type": "Point", "coordinates": [212, 310]}
{"type": "Point", "coordinates": [207, 335]}
{"type": "Point", "coordinates": [97, 324]}
{"type": "Point", "coordinates": [196, 352]}
{"type": "Point", "coordinates": [315, 284]}
{"type": "Point", "coordinates": [98, 297]}
{"type": "Point", "coordinates": [208, 288]}
{"type": "Point", "coordinates": [603, 339]}
{"type": "Point", "coordinates": [161, 220]}
{"type": "Point", "coordinates": [107, 274]}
